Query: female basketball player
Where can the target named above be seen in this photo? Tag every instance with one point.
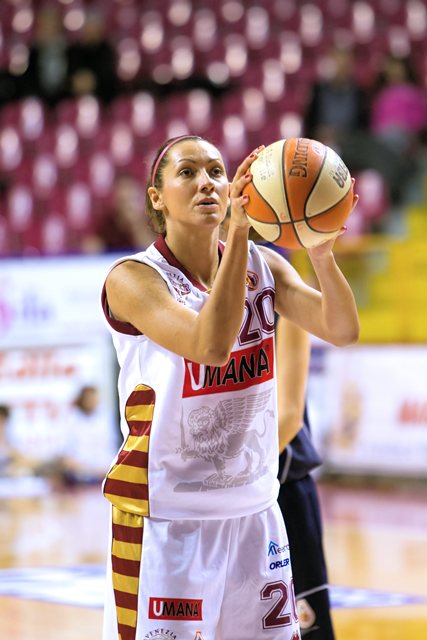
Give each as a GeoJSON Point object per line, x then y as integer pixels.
{"type": "Point", "coordinates": [199, 547]}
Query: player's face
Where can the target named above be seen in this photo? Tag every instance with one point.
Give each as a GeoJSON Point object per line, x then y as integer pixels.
{"type": "Point", "coordinates": [195, 184]}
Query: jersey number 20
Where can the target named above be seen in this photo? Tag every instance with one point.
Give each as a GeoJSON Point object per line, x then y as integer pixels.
{"type": "Point", "coordinates": [276, 616]}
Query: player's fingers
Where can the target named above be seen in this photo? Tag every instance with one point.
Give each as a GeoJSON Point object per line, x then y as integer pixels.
{"type": "Point", "coordinates": [242, 174]}
{"type": "Point", "coordinates": [355, 200]}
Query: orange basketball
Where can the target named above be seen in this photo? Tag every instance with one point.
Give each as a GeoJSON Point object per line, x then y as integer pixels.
{"type": "Point", "coordinates": [300, 195]}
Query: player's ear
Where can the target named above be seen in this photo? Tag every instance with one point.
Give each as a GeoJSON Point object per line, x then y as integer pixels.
{"type": "Point", "coordinates": [156, 198]}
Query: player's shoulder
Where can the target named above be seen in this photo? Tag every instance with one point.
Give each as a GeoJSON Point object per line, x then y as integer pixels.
{"type": "Point", "coordinates": [137, 268]}
{"type": "Point", "coordinates": [272, 255]}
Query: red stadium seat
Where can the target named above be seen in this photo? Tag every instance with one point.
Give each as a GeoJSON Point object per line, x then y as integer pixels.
{"type": "Point", "coordinates": [54, 235]}
{"type": "Point", "coordinates": [11, 152]}
{"type": "Point", "coordinates": [20, 207]}
{"type": "Point", "coordinates": [86, 115]}
{"type": "Point", "coordinates": [199, 112]}
{"type": "Point", "coordinates": [32, 119]}
{"type": "Point", "coordinates": [66, 151]}
{"type": "Point", "coordinates": [44, 175]}
{"type": "Point", "coordinates": [5, 235]}
{"type": "Point", "coordinates": [79, 207]}
{"type": "Point", "coordinates": [101, 174]}
{"type": "Point", "coordinates": [121, 144]}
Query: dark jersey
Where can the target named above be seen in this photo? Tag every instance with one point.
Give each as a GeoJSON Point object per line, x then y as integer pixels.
{"type": "Point", "coordinates": [300, 456]}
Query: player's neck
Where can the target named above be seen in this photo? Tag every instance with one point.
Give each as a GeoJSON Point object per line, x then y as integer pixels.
{"type": "Point", "coordinates": [198, 254]}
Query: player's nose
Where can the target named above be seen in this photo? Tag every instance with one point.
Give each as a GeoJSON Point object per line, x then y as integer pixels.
{"type": "Point", "coordinates": [206, 183]}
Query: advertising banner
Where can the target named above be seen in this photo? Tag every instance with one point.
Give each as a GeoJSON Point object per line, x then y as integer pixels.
{"type": "Point", "coordinates": [375, 400]}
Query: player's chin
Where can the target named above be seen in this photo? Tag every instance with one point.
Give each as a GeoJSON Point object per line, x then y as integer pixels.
{"type": "Point", "coordinates": [210, 215]}
{"type": "Point", "coordinates": [208, 209]}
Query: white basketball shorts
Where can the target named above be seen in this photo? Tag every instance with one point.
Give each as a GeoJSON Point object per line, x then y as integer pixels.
{"type": "Point", "coordinates": [200, 579]}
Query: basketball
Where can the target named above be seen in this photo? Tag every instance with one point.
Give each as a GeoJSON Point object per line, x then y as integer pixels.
{"type": "Point", "coordinates": [300, 195]}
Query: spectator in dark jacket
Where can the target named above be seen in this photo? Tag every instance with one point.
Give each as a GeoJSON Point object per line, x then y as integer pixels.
{"type": "Point", "coordinates": [92, 64]}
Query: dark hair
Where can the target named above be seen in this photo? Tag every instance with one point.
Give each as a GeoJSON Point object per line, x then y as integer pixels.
{"type": "Point", "coordinates": [79, 401]}
{"type": "Point", "coordinates": [406, 64]}
{"type": "Point", "coordinates": [4, 411]}
{"type": "Point", "coordinates": [156, 178]}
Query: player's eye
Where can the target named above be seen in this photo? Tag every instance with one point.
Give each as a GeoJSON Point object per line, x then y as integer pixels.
{"type": "Point", "coordinates": [217, 171]}
{"type": "Point", "coordinates": [186, 172]}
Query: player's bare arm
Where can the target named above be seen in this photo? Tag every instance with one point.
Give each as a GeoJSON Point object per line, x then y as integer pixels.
{"type": "Point", "coordinates": [331, 313]}
{"type": "Point", "coordinates": [206, 337]}
{"type": "Point", "coordinates": [293, 360]}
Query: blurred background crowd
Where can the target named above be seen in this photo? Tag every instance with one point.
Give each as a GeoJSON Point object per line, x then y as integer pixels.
{"type": "Point", "coordinates": [88, 90]}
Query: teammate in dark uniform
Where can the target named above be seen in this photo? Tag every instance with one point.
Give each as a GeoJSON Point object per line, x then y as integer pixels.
{"type": "Point", "coordinates": [298, 497]}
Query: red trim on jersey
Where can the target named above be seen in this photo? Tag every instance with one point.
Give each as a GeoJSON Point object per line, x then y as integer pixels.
{"type": "Point", "coordinates": [133, 458]}
{"type": "Point", "coordinates": [126, 632]}
{"type": "Point", "coordinates": [122, 533]}
{"type": "Point", "coordinates": [163, 248]}
{"type": "Point", "coordinates": [126, 567]}
{"type": "Point", "coordinates": [123, 489]}
{"type": "Point", "coordinates": [126, 327]}
{"type": "Point", "coordinates": [126, 600]}
{"type": "Point", "coordinates": [117, 325]}
{"type": "Point", "coordinates": [141, 396]}
{"type": "Point", "coordinates": [127, 528]}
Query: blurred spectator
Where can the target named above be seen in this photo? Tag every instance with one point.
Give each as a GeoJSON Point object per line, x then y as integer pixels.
{"type": "Point", "coordinates": [125, 226]}
{"type": "Point", "coordinates": [399, 114]}
{"type": "Point", "coordinates": [12, 463]}
{"type": "Point", "coordinates": [91, 439]}
{"type": "Point", "coordinates": [337, 106]}
{"type": "Point", "coordinates": [47, 72]}
{"type": "Point", "coordinates": [8, 86]}
{"type": "Point", "coordinates": [92, 63]}
{"type": "Point", "coordinates": [339, 115]}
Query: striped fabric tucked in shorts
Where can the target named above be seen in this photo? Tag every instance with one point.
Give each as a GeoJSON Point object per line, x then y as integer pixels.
{"type": "Point", "coordinates": [126, 563]}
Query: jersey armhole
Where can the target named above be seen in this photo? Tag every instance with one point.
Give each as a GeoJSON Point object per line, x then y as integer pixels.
{"type": "Point", "coordinates": [117, 325]}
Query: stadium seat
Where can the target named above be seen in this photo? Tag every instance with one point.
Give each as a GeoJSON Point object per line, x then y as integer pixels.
{"type": "Point", "coordinates": [5, 235]}
{"type": "Point", "coordinates": [129, 60]}
{"type": "Point", "coordinates": [121, 144]}
{"type": "Point", "coordinates": [79, 207]}
{"type": "Point", "coordinates": [32, 119]}
{"type": "Point", "coordinates": [200, 109]}
{"type": "Point", "coordinates": [19, 207]}
{"type": "Point", "coordinates": [44, 175]}
{"type": "Point", "coordinates": [66, 151]}
{"type": "Point", "coordinates": [101, 173]}
{"type": "Point", "coordinates": [54, 235]}
{"type": "Point", "coordinates": [86, 115]}
{"type": "Point", "coordinates": [11, 153]}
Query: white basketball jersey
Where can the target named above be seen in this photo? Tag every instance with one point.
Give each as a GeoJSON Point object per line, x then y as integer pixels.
{"type": "Point", "coordinates": [200, 441]}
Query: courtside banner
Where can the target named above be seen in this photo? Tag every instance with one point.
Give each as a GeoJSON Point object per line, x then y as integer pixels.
{"type": "Point", "coordinates": [51, 300]}
{"type": "Point", "coordinates": [53, 342]}
{"type": "Point", "coordinates": [376, 401]}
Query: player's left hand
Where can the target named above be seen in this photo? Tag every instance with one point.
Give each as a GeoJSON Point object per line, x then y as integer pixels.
{"type": "Point", "coordinates": [240, 180]}
{"type": "Point", "coordinates": [326, 247]}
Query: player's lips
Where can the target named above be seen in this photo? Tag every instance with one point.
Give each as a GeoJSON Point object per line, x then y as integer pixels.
{"type": "Point", "coordinates": [207, 203]}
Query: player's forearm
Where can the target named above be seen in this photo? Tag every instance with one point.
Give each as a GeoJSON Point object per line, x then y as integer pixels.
{"type": "Point", "coordinates": [289, 425]}
{"type": "Point", "coordinates": [338, 306]}
{"type": "Point", "coordinates": [220, 319]}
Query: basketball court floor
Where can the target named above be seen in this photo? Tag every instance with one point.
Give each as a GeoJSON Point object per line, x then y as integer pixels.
{"type": "Point", "coordinates": [53, 547]}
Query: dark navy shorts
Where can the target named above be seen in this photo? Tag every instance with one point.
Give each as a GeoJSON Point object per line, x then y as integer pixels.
{"type": "Point", "coordinates": [299, 503]}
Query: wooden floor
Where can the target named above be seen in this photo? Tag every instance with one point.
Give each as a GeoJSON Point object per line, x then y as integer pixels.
{"type": "Point", "coordinates": [375, 539]}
